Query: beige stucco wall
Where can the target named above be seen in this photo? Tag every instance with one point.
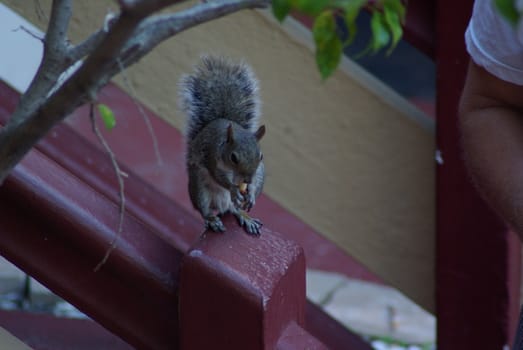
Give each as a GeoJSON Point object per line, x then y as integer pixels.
{"type": "Point", "coordinates": [338, 154]}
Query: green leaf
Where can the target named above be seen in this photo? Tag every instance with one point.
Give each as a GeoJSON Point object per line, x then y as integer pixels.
{"type": "Point", "coordinates": [311, 7]}
{"type": "Point", "coordinates": [398, 7]}
{"type": "Point", "coordinates": [352, 29]}
{"type": "Point", "coordinates": [508, 10]}
{"type": "Point", "coordinates": [380, 35]}
{"type": "Point", "coordinates": [107, 116]}
{"type": "Point", "coordinates": [324, 27]}
{"type": "Point", "coordinates": [328, 57]}
{"type": "Point", "coordinates": [392, 20]}
{"type": "Point", "coordinates": [328, 45]}
{"type": "Point", "coordinates": [352, 9]}
{"type": "Point", "coordinates": [281, 8]}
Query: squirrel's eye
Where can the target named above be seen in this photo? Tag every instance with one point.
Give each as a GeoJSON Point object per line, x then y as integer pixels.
{"type": "Point", "coordinates": [261, 156]}
{"type": "Point", "coordinates": [234, 158]}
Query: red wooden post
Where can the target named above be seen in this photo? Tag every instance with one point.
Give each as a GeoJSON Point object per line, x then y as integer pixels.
{"type": "Point", "coordinates": [478, 259]}
{"type": "Point", "coordinates": [244, 291]}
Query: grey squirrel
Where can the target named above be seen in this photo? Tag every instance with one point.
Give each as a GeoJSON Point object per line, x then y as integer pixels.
{"type": "Point", "coordinates": [224, 160]}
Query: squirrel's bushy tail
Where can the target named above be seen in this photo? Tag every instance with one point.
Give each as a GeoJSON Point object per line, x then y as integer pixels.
{"type": "Point", "coordinates": [219, 88]}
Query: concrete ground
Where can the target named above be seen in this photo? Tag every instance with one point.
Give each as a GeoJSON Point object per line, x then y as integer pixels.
{"type": "Point", "coordinates": [381, 314]}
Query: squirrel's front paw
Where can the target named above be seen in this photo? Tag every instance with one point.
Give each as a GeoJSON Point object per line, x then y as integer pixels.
{"type": "Point", "coordinates": [249, 201]}
{"type": "Point", "coordinates": [237, 197]}
{"type": "Point", "coordinates": [251, 225]}
{"type": "Point", "coordinates": [249, 196]}
{"type": "Point", "coordinates": [214, 223]}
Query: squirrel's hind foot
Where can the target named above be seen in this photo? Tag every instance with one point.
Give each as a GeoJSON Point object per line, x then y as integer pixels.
{"type": "Point", "coordinates": [214, 223]}
{"type": "Point", "coordinates": [251, 225]}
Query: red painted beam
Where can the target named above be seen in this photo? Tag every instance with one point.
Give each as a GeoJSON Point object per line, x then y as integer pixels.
{"type": "Point", "coordinates": [45, 332]}
{"type": "Point", "coordinates": [295, 337]}
{"type": "Point", "coordinates": [478, 259]}
{"type": "Point", "coordinates": [58, 219]}
{"type": "Point", "coordinates": [330, 332]}
{"type": "Point", "coordinates": [56, 228]}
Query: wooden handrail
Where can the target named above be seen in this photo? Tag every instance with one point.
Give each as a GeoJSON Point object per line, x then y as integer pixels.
{"type": "Point", "coordinates": [243, 290]}
{"type": "Point", "coordinates": [59, 211]}
{"type": "Point", "coordinates": [44, 331]}
{"type": "Point", "coordinates": [57, 228]}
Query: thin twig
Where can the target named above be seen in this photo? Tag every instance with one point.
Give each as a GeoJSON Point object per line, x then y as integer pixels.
{"type": "Point", "coordinates": [39, 11]}
{"type": "Point", "coordinates": [34, 35]}
{"type": "Point", "coordinates": [145, 116]}
{"type": "Point", "coordinates": [119, 175]}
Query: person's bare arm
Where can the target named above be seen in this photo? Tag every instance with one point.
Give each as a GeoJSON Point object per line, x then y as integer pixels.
{"type": "Point", "coordinates": [491, 122]}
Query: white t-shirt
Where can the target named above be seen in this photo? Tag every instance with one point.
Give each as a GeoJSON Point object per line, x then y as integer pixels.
{"type": "Point", "coordinates": [493, 43]}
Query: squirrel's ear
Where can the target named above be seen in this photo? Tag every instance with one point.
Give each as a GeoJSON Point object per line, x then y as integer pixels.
{"type": "Point", "coordinates": [230, 134]}
{"type": "Point", "coordinates": [260, 132]}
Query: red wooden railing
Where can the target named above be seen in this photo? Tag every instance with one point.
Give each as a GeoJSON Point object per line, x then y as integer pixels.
{"type": "Point", "coordinates": [163, 287]}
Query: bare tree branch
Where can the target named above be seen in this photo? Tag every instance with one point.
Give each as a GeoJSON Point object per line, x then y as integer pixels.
{"type": "Point", "coordinates": [141, 7]}
{"type": "Point", "coordinates": [152, 31]}
{"type": "Point", "coordinates": [53, 60]}
{"type": "Point", "coordinates": [161, 27]}
{"type": "Point", "coordinates": [128, 39]}
{"type": "Point", "coordinates": [56, 36]}
{"type": "Point", "coordinates": [87, 46]}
